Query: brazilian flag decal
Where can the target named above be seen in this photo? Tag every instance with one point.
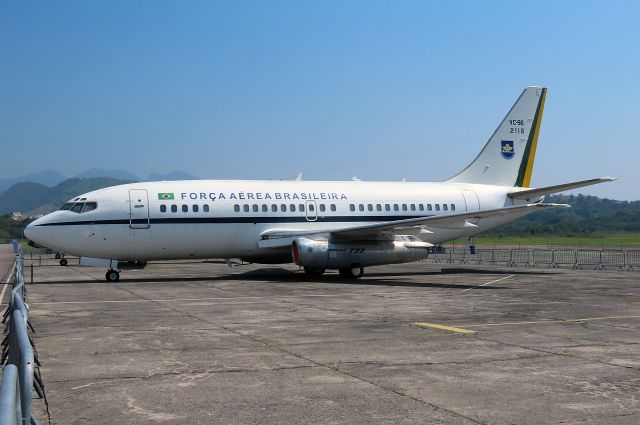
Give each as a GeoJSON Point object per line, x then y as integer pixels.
{"type": "Point", "coordinates": [165, 196]}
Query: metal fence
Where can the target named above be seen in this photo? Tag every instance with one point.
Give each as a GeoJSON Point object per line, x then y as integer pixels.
{"type": "Point", "coordinates": [21, 374]}
{"type": "Point", "coordinates": [595, 259]}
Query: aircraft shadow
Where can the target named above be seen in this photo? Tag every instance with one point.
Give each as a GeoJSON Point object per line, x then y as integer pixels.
{"type": "Point", "coordinates": [280, 275]}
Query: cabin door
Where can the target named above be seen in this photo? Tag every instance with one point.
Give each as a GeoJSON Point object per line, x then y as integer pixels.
{"type": "Point", "coordinates": [471, 200]}
{"type": "Point", "coordinates": [138, 209]}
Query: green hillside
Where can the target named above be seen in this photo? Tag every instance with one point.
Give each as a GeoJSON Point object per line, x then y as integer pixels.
{"type": "Point", "coordinates": [589, 216]}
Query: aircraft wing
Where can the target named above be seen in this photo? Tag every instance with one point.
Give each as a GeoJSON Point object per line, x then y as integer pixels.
{"type": "Point", "coordinates": [279, 238]}
{"type": "Point", "coordinates": [542, 191]}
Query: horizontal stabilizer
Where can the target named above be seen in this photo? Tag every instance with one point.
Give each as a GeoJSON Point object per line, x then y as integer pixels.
{"type": "Point", "coordinates": [542, 191]}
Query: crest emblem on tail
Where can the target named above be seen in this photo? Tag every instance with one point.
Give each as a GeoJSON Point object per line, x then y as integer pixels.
{"type": "Point", "coordinates": [506, 149]}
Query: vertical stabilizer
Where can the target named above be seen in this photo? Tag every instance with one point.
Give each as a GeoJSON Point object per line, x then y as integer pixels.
{"type": "Point", "coordinates": [507, 158]}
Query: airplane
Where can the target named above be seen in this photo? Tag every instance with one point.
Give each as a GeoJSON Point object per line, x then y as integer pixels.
{"type": "Point", "coordinates": [318, 225]}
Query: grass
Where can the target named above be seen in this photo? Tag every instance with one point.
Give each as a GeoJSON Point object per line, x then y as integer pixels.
{"type": "Point", "coordinates": [615, 240]}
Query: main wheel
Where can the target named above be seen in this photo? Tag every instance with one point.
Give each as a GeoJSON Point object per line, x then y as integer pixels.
{"type": "Point", "coordinates": [310, 271]}
{"type": "Point", "coordinates": [64, 262]}
{"type": "Point", "coordinates": [352, 272]}
{"type": "Point", "coordinates": [112, 276]}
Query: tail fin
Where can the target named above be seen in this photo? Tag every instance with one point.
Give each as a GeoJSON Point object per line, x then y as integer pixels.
{"type": "Point", "coordinates": [507, 158]}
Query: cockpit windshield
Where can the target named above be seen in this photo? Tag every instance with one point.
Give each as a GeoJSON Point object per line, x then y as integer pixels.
{"type": "Point", "coordinates": [79, 207]}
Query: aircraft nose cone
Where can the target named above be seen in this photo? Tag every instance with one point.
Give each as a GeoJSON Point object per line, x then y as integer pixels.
{"type": "Point", "coordinates": [28, 231]}
{"type": "Point", "coordinates": [35, 233]}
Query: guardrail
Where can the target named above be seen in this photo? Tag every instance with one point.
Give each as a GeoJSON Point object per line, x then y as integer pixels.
{"type": "Point", "coordinates": [21, 373]}
{"type": "Point", "coordinates": [596, 259]}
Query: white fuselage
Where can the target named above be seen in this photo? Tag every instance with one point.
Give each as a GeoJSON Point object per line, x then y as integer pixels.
{"type": "Point", "coordinates": [226, 219]}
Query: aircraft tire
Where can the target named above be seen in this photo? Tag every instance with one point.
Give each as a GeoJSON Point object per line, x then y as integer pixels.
{"type": "Point", "coordinates": [64, 262]}
{"type": "Point", "coordinates": [310, 271]}
{"type": "Point", "coordinates": [352, 272]}
{"type": "Point", "coordinates": [58, 256]}
{"type": "Point", "coordinates": [112, 276]}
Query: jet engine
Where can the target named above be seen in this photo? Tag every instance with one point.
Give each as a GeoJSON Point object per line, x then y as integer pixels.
{"type": "Point", "coordinates": [323, 254]}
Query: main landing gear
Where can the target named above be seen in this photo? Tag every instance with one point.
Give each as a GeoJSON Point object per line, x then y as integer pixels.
{"type": "Point", "coordinates": [310, 271]}
{"type": "Point", "coordinates": [352, 272]}
{"type": "Point", "coordinates": [112, 275]}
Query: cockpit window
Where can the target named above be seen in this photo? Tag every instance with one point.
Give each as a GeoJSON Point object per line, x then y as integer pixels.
{"type": "Point", "coordinates": [66, 206]}
{"type": "Point", "coordinates": [77, 207]}
{"type": "Point", "coordinates": [89, 206]}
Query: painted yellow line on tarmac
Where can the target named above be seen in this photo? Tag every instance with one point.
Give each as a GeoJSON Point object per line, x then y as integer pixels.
{"type": "Point", "coordinates": [444, 328]}
{"type": "Point", "coordinates": [542, 322]}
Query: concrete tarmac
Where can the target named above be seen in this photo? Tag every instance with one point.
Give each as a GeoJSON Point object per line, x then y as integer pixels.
{"type": "Point", "coordinates": [196, 342]}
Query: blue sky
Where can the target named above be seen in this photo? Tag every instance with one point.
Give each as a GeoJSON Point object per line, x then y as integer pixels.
{"type": "Point", "coordinates": [265, 89]}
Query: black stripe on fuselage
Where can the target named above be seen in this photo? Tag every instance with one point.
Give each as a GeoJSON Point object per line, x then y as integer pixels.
{"type": "Point", "coordinates": [237, 220]}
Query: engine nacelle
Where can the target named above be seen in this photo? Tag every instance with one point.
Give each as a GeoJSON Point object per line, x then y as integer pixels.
{"type": "Point", "coordinates": [322, 254]}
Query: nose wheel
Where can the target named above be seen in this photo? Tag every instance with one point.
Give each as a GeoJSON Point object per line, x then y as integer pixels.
{"type": "Point", "coordinates": [112, 276]}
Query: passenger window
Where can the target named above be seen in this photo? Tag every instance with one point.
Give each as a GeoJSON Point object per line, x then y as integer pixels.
{"type": "Point", "coordinates": [245, 208]}
{"type": "Point", "coordinates": [77, 207]}
{"type": "Point", "coordinates": [265, 208]}
{"type": "Point", "coordinates": [185, 208]}
{"type": "Point", "coordinates": [413, 207]}
{"type": "Point", "coordinates": [283, 208]}
{"type": "Point", "coordinates": [361, 207]}
{"type": "Point", "coordinates": [205, 208]}
{"type": "Point", "coordinates": [163, 208]}
{"type": "Point", "coordinates": [255, 208]}
{"type": "Point", "coordinates": [333, 207]}
{"type": "Point", "coordinates": [437, 207]}
{"type": "Point", "coordinates": [236, 208]}
{"type": "Point", "coordinates": [274, 208]}
{"type": "Point", "coordinates": [323, 208]}
{"type": "Point", "coordinates": [445, 207]}
{"type": "Point", "coordinates": [301, 207]}
{"type": "Point", "coordinates": [421, 207]}
{"type": "Point", "coordinates": [312, 207]}
{"type": "Point", "coordinates": [396, 207]}
{"type": "Point", "coordinates": [453, 207]}
{"type": "Point", "coordinates": [387, 207]}
{"type": "Point", "coordinates": [429, 207]}
{"type": "Point", "coordinates": [89, 206]}
{"type": "Point", "coordinates": [352, 207]}
{"type": "Point", "coordinates": [404, 207]}
{"type": "Point", "coordinates": [195, 208]}
{"type": "Point", "coordinates": [378, 207]}
{"type": "Point", "coordinates": [369, 207]}
{"type": "Point", "coordinates": [66, 206]}
{"type": "Point", "coordinates": [292, 208]}
{"type": "Point", "coordinates": [174, 208]}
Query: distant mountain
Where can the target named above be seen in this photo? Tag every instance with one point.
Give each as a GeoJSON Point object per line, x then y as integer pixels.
{"type": "Point", "coordinates": [119, 174]}
{"type": "Point", "coordinates": [171, 175]}
{"type": "Point", "coordinates": [47, 178]}
{"type": "Point", "coordinates": [35, 198]}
